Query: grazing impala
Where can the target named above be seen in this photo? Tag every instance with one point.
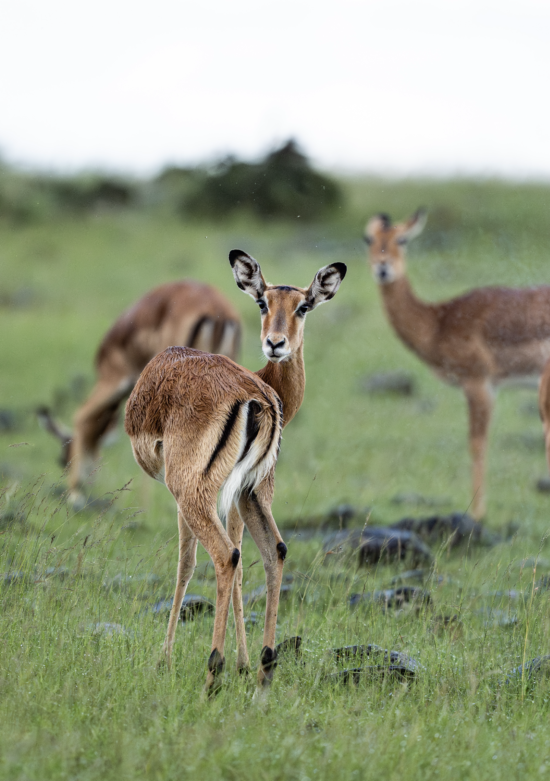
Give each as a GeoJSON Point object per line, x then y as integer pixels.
{"type": "Point", "coordinates": [475, 341]}
{"type": "Point", "coordinates": [203, 424]}
{"type": "Point", "coordinates": [185, 312]}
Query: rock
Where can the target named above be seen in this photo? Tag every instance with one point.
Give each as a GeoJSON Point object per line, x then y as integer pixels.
{"type": "Point", "coordinates": [192, 606]}
{"type": "Point", "coordinates": [288, 647]}
{"type": "Point", "coordinates": [536, 668]}
{"type": "Point", "coordinates": [8, 421]}
{"type": "Point", "coordinates": [342, 515]}
{"type": "Point", "coordinates": [455, 529]}
{"type": "Point", "coordinates": [397, 382]}
{"type": "Point", "coordinates": [393, 597]}
{"type": "Point", "coordinates": [497, 618]}
{"type": "Point", "coordinates": [376, 671]}
{"type": "Point", "coordinates": [543, 485]}
{"type": "Point", "coordinates": [15, 578]}
{"type": "Point", "coordinates": [376, 653]}
{"type": "Point", "coordinates": [380, 543]}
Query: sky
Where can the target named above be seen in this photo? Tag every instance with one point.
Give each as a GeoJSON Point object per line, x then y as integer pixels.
{"type": "Point", "coordinates": [398, 87]}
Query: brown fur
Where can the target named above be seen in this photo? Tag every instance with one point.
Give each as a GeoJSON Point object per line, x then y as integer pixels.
{"type": "Point", "coordinates": [178, 313]}
{"type": "Point", "coordinates": [476, 340]}
{"type": "Point", "coordinates": [210, 425]}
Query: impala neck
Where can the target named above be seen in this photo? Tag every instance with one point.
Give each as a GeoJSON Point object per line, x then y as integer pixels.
{"type": "Point", "coordinates": [414, 321]}
{"type": "Point", "coordinates": [288, 380]}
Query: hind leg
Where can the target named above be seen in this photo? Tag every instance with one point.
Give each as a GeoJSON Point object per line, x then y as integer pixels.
{"type": "Point", "coordinates": [235, 529]}
{"type": "Point", "coordinates": [186, 566]}
{"type": "Point", "coordinates": [255, 509]}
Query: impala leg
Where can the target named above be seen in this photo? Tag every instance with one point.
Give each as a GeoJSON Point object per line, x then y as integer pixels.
{"type": "Point", "coordinates": [255, 509]}
{"type": "Point", "coordinates": [208, 529]}
{"type": "Point", "coordinates": [235, 528]}
{"type": "Point", "coordinates": [91, 422]}
{"type": "Point", "coordinates": [480, 406]}
{"type": "Point", "coordinates": [186, 566]}
{"type": "Point", "coordinates": [544, 409]}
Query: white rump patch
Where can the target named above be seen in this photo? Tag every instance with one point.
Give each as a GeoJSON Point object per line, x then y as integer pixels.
{"type": "Point", "coordinates": [245, 475]}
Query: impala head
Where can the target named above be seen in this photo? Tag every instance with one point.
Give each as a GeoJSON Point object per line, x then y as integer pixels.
{"type": "Point", "coordinates": [387, 244]}
{"type": "Point", "coordinates": [283, 308]}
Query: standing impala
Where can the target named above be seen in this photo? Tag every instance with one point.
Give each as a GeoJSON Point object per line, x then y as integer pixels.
{"type": "Point", "coordinates": [203, 424]}
{"type": "Point", "coordinates": [475, 341]}
{"type": "Point", "coordinates": [184, 312]}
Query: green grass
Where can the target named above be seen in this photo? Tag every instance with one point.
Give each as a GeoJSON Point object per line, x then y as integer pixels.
{"type": "Point", "coordinates": [77, 705]}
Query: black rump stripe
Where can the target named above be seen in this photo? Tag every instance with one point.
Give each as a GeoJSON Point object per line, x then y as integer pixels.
{"type": "Point", "coordinates": [227, 429]}
{"type": "Point", "coordinates": [197, 329]}
{"type": "Point", "coordinates": [252, 427]}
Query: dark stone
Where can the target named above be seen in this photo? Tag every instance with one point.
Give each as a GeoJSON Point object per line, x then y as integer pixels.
{"type": "Point", "coordinates": [290, 646]}
{"type": "Point", "coordinates": [377, 654]}
{"type": "Point", "coordinates": [395, 672]}
{"type": "Point", "coordinates": [191, 607]}
{"type": "Point", "coordinates": [535, 669]}
{"type": "Point", "coordinates": [342, 515]}
{"type": "Point", "coordinates": [379, 543]}
{"type": "Point", "coordinates": [543, 485]}
{"type": "Point", "coordinates": [398, 383]}
{"type": "Point", "coordinates": [8, 421]}
{"type": "Point", "coordinates": [393, 597]}
{"type": "Point", "coordinates": [453, 529]}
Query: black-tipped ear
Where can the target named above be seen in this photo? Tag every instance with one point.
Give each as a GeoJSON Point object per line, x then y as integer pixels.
{"type": "Point", "coordinates": [247, 273]}
{"type": "Point", "coordinates": [325, 284]}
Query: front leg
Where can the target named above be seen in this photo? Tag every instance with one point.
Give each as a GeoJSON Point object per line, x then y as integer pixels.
{"type": "Point", "coordinates": [235, 528]}
{"type": "Point", "coordinates": [480, 406]}
{"type": "Point", "coordinates": [255, 509]}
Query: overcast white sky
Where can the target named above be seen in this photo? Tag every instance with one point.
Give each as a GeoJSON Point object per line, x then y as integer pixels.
{"type": "Point", "coordinates": [400, 86]}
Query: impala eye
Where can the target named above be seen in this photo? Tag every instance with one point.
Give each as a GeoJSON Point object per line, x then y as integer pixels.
{"type": "Point", "coordinates": [263, 306]}
{"type": "Point", "coordinates": [401, 240]}
{"type": "Point", "coordinates": [302, 310]}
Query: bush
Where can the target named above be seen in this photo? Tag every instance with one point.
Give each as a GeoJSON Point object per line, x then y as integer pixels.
{"type": "Point", "coordinates": [283, 185]}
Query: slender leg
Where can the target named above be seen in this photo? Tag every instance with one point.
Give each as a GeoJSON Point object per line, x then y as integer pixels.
{"type": "Point", "coordinates": [186, 566]}
{"type": "Point", "coordinates": [235, 528]}
{"type": "Point", "coordinates": [202, 519]}
{"type": "Point", "coordinates": [255, 509]}
{"type": "Point", "coordinates": [91, 421]}
{"type": "Point", "coordinates": [480, 406]}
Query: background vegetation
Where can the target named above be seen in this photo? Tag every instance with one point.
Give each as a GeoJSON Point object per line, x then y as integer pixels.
{"type": "Point", "coordinates": [81, 701]}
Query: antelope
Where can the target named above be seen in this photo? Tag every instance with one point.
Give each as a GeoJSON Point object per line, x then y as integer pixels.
{"type": "Point", "coordinates": [184, 312]}
{"type": "Point", "coordinates": [475, 341]}
{"type": "Point", "coordinates": [205, 426]}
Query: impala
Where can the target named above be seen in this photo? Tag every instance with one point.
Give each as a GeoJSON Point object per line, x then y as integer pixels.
{"type": "Point", "coordinates": [184, 312]}
{"type": "Point", "coordinates": [474, 341]}
{"type": "Point", "coordinates": [206, 426]}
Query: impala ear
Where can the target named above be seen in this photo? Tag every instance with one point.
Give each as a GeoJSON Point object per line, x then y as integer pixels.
{"type": "Point", "coordinates": [380, 222]}
{"type": "Point", "coordinates": [414, 226]}
{"type": "Point", "coordinates": [247, 273]}
{"type": "Point", "coordinates": [325, 284]}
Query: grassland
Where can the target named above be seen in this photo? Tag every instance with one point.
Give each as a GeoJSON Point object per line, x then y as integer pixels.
{"type": "Point", "coordinates": [76, 702]}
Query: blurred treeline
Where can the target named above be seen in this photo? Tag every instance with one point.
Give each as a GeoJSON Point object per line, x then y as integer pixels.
{"type": "Point", "coordinates": [284, 186]}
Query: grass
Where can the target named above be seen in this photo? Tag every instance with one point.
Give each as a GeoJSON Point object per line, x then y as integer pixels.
{"type": "Point", "coordinates": [77, 702]}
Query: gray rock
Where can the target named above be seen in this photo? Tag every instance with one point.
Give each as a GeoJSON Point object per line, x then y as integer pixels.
{"type": "Point", "coordinates": [380, 543]}
{"type": "Point", "coordinates": [535, 669]}
{"type": "Point", "coordinates": [391, 598]}
{"type": "Point", "coordinates": [456, 528]}
{"type": "Point", "coordinates": [192, 606]}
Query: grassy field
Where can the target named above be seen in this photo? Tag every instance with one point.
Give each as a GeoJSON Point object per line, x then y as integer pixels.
{"type": "Point", "coordinates": [78, 700]}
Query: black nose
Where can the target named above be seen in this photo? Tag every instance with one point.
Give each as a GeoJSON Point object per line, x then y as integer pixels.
{"type": "Point", "coordinates": [274, 346]}
{"type": "Point", "coordinates": [383, 272]}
